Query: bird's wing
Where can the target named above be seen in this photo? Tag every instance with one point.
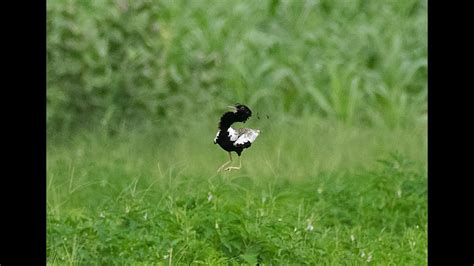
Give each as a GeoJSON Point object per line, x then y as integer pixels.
{"type": "Point", "coordinates": [217, 135]}
{"type": "Point", "coordinates": [233, 135]}
{"type": "Point", "coordinates": [246, 137]}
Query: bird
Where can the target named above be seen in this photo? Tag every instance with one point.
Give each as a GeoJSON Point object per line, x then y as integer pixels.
{"type": "Point", "coordinates": [235, 140]}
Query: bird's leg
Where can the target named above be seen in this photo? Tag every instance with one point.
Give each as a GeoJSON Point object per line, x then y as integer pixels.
{"type": "Point", "coordinates": [234, 167]}
{"type": "Point", "coordinates": [226, 163]}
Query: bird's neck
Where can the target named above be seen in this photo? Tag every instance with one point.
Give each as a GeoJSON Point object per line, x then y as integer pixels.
{"type": "Point", "coordinates": [227, 120]}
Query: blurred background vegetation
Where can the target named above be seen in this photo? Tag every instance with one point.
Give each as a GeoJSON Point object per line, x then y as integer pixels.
{"type": "Point", "coordinates": [114, 65]}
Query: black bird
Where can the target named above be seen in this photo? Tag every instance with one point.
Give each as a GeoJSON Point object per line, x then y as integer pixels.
{"type": "Point", "coordinates": [235, 140]}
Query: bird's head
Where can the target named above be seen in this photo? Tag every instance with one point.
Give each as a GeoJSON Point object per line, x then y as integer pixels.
{"type": "Point", "coordinates": [242, 112]}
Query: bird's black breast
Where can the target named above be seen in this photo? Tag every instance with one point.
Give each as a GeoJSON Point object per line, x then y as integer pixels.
{"type": "Point", "coordinates": [223, 139]}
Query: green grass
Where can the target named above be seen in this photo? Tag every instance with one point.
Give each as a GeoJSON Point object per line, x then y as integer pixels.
{"type": "Point", "coordinates": [337, 176]}
{"type": "Point", "coordinates": [145, 198]}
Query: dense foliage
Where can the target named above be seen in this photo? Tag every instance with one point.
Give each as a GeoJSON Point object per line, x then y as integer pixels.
{"type": "Point", "coordinates": [126, 62]}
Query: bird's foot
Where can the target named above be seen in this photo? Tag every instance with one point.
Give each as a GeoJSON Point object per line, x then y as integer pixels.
{"type": "Point", "coordinates": [222, 166]}
{"type": "Point", "coordinates": [221, 169]}
{"type": "Point", "coordinates": [231, 167]}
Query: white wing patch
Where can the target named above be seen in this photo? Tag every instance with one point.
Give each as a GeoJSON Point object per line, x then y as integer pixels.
{"type": "Point", "coordinates": [215, 139]}
{"type": "Point", "coordinates": [233, 134]}
{"type": "Point", "coordinates": [247, 135]}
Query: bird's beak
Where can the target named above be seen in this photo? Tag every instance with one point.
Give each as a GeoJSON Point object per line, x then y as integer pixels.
{"type": "Point", "coordinates": [232, 108]}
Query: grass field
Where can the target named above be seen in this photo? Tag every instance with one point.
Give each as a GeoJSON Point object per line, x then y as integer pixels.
{"type": "Point", "coordinates": [337, 176]}
{"type": "Point", "coordinates": [347, 196]}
